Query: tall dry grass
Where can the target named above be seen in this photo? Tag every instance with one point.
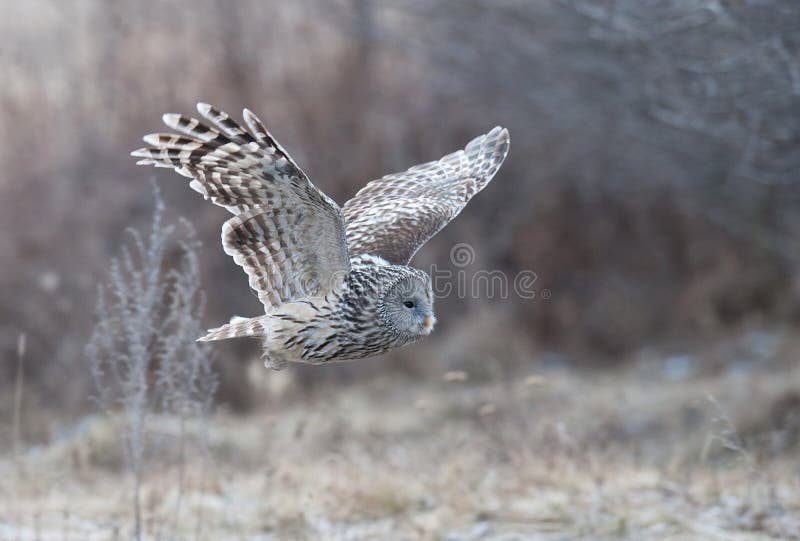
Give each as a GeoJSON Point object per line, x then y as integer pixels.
{"type": "Point", "coordinates": [142, 354]}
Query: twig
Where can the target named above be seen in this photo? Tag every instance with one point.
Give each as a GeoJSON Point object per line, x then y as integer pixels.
{"type": "Point", "coordinates": [16, 422]}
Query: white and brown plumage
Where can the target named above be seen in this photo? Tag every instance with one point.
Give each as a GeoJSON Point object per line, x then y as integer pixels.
{"type": "Point", "coordinates": [334, 281]}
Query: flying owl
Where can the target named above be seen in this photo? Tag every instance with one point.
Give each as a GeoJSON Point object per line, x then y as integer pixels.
{"type": "Point", "coordinates": [335, 282]}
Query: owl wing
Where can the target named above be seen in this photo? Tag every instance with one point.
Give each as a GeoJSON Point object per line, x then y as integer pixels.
{"type": "Point", "coordinates": [393, 216]}
{"type": "Point", "coordinates": [286, 234]}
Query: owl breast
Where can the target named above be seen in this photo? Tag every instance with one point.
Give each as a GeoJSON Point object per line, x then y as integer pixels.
{"type": "Point", "coordinates": [344, 325]}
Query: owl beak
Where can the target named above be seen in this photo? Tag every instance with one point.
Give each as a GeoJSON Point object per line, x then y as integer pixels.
{"type": "Point", "coordinates": [427, 325]}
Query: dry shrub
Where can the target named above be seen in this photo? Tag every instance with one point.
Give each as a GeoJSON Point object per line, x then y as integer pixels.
{"type": "Point", "coordinates": [142, 354]}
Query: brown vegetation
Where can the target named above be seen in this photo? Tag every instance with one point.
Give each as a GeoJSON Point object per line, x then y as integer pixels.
{"type": "Point", "coordinates": [547, 455]}
{"type": "Point", "coordinates": [650, 187]}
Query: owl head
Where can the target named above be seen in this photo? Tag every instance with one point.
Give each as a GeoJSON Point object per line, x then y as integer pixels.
{"type": "Point", "coordinates": [407, 305]}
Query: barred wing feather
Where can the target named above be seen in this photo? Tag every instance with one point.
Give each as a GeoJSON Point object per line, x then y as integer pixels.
{"type": "Point", "coordinates": [286, 234]}
{"type": "Point", "coordinates": [392, 217]}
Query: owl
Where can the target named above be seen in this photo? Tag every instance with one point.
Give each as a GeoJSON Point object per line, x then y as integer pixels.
{"type": "Point", "coordinates": [334, 281]}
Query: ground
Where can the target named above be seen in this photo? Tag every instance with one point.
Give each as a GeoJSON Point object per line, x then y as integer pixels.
{"type": "Point", "coordinates": [652, 451]}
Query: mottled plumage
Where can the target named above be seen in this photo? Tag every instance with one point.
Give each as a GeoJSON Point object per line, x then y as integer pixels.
{"type": "Point", "coordinates": [334, 282]}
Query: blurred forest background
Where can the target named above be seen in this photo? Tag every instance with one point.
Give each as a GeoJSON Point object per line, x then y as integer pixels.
{"type": "Point", "coordinates": [651, 183]}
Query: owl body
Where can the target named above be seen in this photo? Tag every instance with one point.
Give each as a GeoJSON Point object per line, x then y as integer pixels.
{"type": "Point", "coordinates": [334, 281]}
{"type": "Point", "coordinates": [354, 320]}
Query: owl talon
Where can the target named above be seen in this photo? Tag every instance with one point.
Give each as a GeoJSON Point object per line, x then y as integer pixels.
{"type": "Point", "coordinates": [274, 363]}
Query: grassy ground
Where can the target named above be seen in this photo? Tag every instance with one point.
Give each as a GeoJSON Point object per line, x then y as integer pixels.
{"type": "Point", "coordinates": [652, 452]}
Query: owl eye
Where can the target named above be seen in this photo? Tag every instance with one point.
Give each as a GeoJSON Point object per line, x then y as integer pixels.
{"type": "Point", "coordinates": [409, 304]}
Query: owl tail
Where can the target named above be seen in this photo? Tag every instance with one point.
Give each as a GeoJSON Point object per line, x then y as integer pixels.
{"type": "Point", "coordinates": [238, 327]}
